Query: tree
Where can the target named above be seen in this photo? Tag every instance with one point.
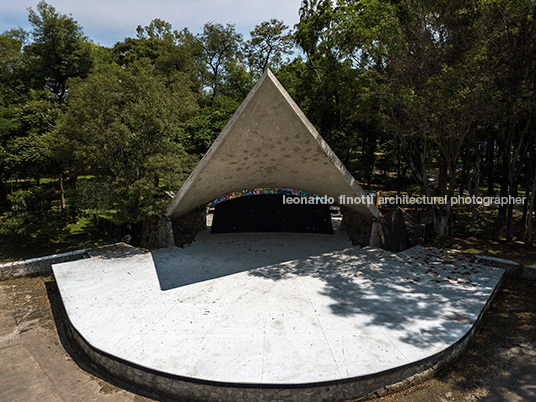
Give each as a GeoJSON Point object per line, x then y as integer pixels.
{"type": "Point", "coordinates": [33, 214]}
{"type": "Point", "coordinates": [203, 127]}
{"type": "Point", "coordinates": [424, 60]}
{"type": "Point", "coordinates": [157, 29]}
{"type": "Point", "coordinates": [509, 37]}
{"type": "Point", "coordinates": [220, 45]}
{"type": "Point", "coordinates": [58, 51]}
{"type": "Point", "coordinates": [308, 8]}
{"type": "Point", "coordinates": [270, 42]}
{"type": "Point", "coordinates": [125, 126]}
{"type": "Point", "coordinates": [168, 50]}
{"type": "Point", "coordinates": [13, 88]}
{"type": "Point", "coordinates": [315, 17]}
{"type": "Point", "coordinates": [34, 83]}
{"type": "Point", "coordinates": [28, 151]}
{"type": "Point", "coordinates": [333, 93]}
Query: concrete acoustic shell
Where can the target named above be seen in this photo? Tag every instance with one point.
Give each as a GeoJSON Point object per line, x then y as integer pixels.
{"type": "Point", "coordinates": [268, 143]}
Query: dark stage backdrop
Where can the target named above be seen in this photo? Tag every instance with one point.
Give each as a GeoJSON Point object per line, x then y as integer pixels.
{"type": "Point", "coordinates": [267, 213]}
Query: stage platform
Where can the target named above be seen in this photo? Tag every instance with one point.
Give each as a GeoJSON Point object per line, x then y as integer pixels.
{"type": "Point", "coordinates": [273, 311]}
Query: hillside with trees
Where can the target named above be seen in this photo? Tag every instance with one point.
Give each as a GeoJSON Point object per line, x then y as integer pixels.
{"type": "Point", "coordinates": [415, 97]}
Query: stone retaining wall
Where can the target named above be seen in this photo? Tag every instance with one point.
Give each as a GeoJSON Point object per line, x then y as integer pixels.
{"type": "Point", "coordinates": [43, 265]}
{"type": "Point", "coordinates": [511, 267]}
{"type": "Point", "coordinates": [38, 266]}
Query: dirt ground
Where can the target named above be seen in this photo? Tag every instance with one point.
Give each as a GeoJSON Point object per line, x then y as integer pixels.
{"type": "Point", "coordinates": [500, 365]}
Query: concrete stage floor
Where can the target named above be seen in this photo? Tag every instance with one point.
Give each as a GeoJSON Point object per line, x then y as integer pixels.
{"type": "Point", "coordinates": [274, 308]}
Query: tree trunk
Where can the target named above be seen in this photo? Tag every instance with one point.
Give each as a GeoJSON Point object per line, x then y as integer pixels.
{"type": "Point", "coordinates": [398, 168]}
{"type": "Point", "coordinates": [490, 160]}
{"type": "Point", "coordinates": [3, 192]}
{"type": "Point", "coordinates": [500, 223]}
{"type": "Point", "coordinates": [473, 185]}
{"type": "Point", "coordinates": [465, 172]}
{"type": "Point", "coordinates": [442, 178]}
{"type": "Point", "coordinates": [528, 238]}
{"type": "Point", "coordinates": [523, 225]}
{"type": "Point", "coordinates": [529, 201]}
{"type": "Point", "coordinates": [443, 222]}
{"type": "Point", "coordinates": [510, 216]}
{"type": "Point", "coordinates": [528, 192]}
{"type": "Point", "coordinates": [530, 212]}
{"type": "Point", "coordinates": [62, 192]}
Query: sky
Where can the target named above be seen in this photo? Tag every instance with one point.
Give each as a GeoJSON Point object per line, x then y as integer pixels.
{"type": "Point", "coordinates": [106, 22]}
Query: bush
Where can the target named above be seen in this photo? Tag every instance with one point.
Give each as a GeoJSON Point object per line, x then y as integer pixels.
{"type": "Point", "coordinates": [34, 213]}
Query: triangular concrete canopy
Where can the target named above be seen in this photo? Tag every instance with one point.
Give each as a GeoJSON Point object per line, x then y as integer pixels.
{"type": "Point", "coordinates": [268, 143]}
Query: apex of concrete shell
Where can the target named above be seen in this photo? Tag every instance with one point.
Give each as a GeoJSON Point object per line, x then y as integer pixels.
{"type": "Point", "coordinates": [268, 142]}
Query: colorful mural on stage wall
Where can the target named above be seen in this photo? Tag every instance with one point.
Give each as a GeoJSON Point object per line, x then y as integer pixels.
{"type": "Point", "coordinates": [259, 191]}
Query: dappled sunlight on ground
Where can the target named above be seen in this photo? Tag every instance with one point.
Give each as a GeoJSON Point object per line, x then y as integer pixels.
{"type": "Point", "coordinates": [275, 308]}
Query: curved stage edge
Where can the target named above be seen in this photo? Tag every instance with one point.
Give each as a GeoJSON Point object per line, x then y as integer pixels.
{"type": "Point", "coordinates": [177, 387]}
{"type": "Point", "coordinates": [168, 385]}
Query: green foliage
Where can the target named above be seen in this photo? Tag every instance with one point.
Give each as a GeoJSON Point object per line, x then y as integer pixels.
{"type": "Point", "coordinates": [6, 122]}
{"type": "Point", "coordinates": [270, 42]}
{"type": "Point", "coordinates": [205, 126]}
{"type": "Point", "coordinates": [420, 64]}
{"type": "Point", "coordinates": [126, 126]}
{"type": "Point", "coordinates": [29, 141]}
{"type": "Point", "coordinates": [95, 193]}
{"type": "Point", "coordinates": [315, 17]}
{"type": "Point", "coordinates": [37, 115]}
{"type": "Point", "coordinates": [168, 51]}
{"type": "Point", "coordinates": [238, 81]}
{"type": "Point", "coordinates": [220, 44]}
{"type": "Point", "coordinates": [33, 213]}
{"type": "Point", "coordinates": [58, 50]}
{"type": "Point", "coordinates": [12, 80]}
{"type": "Point", "coordinates": [441, 241]}
{"type": "Point", "coordinates": [157, 29]}
{"type": "Point", "coordinates": [29, 156]}
{"type": "Point", "coordinates": [327, 91]}
{"type": "Point", "coordinates": [392, 85]}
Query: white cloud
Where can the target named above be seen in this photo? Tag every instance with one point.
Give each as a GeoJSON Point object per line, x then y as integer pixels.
{"type": "Point", "coordinates": [109, 21]}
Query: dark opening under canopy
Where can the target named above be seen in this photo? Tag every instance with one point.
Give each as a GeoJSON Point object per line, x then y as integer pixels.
{"type": "Point", "coordinates": [267, 213]}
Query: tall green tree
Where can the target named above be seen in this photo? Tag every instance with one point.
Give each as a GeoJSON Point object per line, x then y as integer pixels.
{"type": "Point", "coordinates": [126, 127]}
{"type": "Point", "coordinates": [33, 213]}
{"type": "Point", "coordinates": [221, 44]}
{"type": "Point", "coordinates": [315, 18]}
{"type": "Point", "coordinates": [509, 38]}
{"type": "Point", "coordinates": [168, 50]}
{"type": "Point", "coordinates": [270, 42]}
{"type": "Point", "coordinates": [28, 151]}
{"type": "Point", "coordinates": [13, 88]}
{"type": "Point", "coordinates": [13, 91]}
{"type": "Point", "coordinates": [58, 50]}
{"type": "Point", "coordinates": [423, 57]}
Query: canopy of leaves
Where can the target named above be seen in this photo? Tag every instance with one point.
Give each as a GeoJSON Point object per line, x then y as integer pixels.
{"type": "Point", "coordinates": [127, 125]}
{"type": "Point", "coordinates": [58, 51]}
{"type": "Point", "coordinates": [270, 42]}
{"type": "Point", "coordinates": [33, 213]}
